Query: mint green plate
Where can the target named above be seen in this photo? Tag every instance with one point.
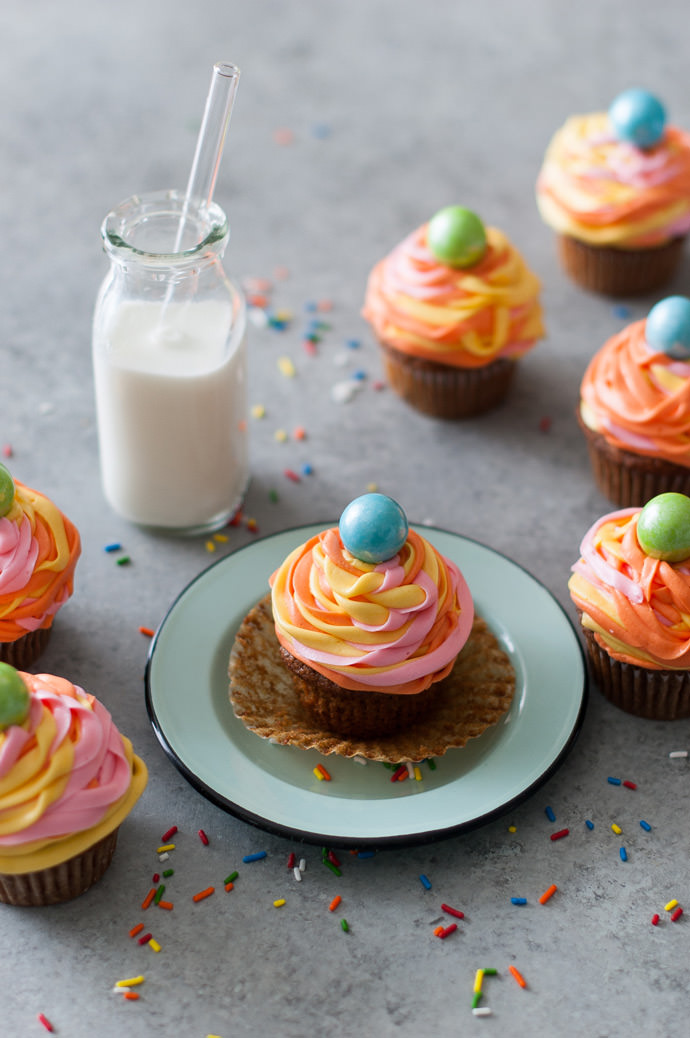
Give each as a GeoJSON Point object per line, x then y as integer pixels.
{"type": "Point", "coordinates": [274, 787]}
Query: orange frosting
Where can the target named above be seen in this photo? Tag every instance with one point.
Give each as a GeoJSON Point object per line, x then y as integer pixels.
{"type": "Point", "coordinates": [638, 399]}
{"type": "Point", "coordinates": [638, 607]}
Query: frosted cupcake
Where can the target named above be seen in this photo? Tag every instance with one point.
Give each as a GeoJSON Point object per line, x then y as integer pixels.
{"type": "Point", "coordinates": [370, 618]}
{"type": "Point", "coordinates": [635, 407]}
{"type": "Point", "coordinates": [615, 187]}
{"type": "Point", "coordinates": [454, 306]}
{"type": "Point", "coordinates": [68, 779]}
{"type": "Point", "coordinates": [39, 548]}
{"type": "Point", "coordinates": [631, 587]}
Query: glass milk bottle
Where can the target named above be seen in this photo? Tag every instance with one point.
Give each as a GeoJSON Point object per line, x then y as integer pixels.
{"type": "Point", "coordinates": [169, 358]}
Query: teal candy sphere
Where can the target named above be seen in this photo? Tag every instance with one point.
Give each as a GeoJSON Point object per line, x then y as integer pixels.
{"type": "Point", "coordinates": [638, 117]}
{"type": "Point", "coordinates": [667, 328]}
{"type": "Point", "coordinates": [456, 237]}
{"type": "Point", "coordinates": [14, 697]}
{"type": "Point", "coordinates": [6, 490]}
{"type": "Point", "coordinates": [373, 528]}
{"type": "Point", "coordinates": [663, 527]}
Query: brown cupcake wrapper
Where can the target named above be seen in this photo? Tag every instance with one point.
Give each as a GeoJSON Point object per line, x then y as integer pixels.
{"type": "Point", "coordinates": [658, 695]}
{"type": "Point", "coordinates": [22, 652]}
{"type": "Point", "coordinates": [619, 272]}
{"type": "Point", "coordinates": [62, 882]}
{"type": "Point", "coordinates": [444, 391]}
{"type": "Point", "coordinates": [630, 480]}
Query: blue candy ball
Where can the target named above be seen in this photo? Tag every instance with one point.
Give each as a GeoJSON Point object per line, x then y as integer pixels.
{"type": "Point", "coordinates": [667, 329]}
{"type": "Point", "coordinates": [373, 528]}
{"type": "Point", "coordinates": [638, 117]}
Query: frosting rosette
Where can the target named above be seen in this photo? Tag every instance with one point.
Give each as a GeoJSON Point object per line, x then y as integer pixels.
{"type": "Point", "coordinates": [464, 318]}
{"type": "Point", "coordinates": [68, 778]}
{"type": "Point", "coordinates": [395, 626]}
{"type": "Point", "coordinates": [608, 192]}
{"type": "Point", "coordinates": [637, 607]}
{"type": "Point", "coordinates": [39, 548]}
{"type": "Point", "coordinates": [638, 398]}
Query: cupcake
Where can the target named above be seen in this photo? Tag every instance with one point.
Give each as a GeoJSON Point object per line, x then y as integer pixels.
{"type": "Point", "coordinates": [67, 781]}
{"type": "Point", "coordinates": [370, 618]}
{"type": "Point", "coordinates": [615, 187]}
{"type": "Point", "coordinates": [453, 307]}
{"type": "Point", "coordinates": [635, 407]}
{"type": "Point", "coordinates": [631, 588]}
{"type": "Point", "coordinates": [39, 548]}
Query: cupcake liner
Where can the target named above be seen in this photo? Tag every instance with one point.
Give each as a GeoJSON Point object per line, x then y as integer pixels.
{"type": "Point", "coordinates": [61, 882]}
{"type": "Point", "coordinates": [630, 480]}
{"type": "Point", "coordinates": [444, 391]}
{"type": "Point", "coordinates": [22, 652]}
{"type": "Point", "coordinates": [476, 695]}
{"type": "Point", "coordinates": [658, 695]}
{"type": "Point", "coordinates": [619, 272]}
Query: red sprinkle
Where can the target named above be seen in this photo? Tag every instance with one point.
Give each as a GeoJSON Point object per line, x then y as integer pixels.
{"type": "Point", "coordinates": [677, 914]}
{"type": "Point", "coordinates": [146, 938]}
{"type": "Point", "coordinates": [333, 860]}
{"type": "Point", "coordinates": [655, 919]}
{"type": "Point", "coordinates": [156, 878]}
{"type": "Point", "coordinates": [630, 785]}
{"type": "Point", "coordinates": [7, 451]}
{"type": "Point", "coordinates": [448, 930]}
{"type": "Point", "coordinates": [45, 1021]}
{"type": "Point", "coordinates": [544, 424]}
{"type": "Point", "coordinates": [560, 834]}
{"type": "Point", "coordinates": [292, 860]}
{"type": "Point", "coordinates": [203, 837]}
{"type": "Point", "coordinates": [292, 475]}
{"type": "Point", "coordinates": [453, 911]}
{"type": "Point", "coordinates": [170, 833]}
{"type": "Point", "coordinates": [399, 774]}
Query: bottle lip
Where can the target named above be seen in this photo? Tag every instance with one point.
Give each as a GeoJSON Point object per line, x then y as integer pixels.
{"type": "Point", "coordinates": [143, 225]}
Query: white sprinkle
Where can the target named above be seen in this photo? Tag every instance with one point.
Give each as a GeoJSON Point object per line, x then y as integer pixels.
{"type": "Point", "coordinates": [46, 407]}
{"type": "Point", "coordinates": [481, 1011]}
{"type": "Point", "coordinates": [410, 768]}
{"type": "Point", "coordinates": [164, 856]}
{"type": "Point", "coordinates": [341, 360]}
{"type": "Point", "coordinates": [678, 753]}
{"type": "Point", "coordinates": [120, 991]}
{"type": "Point", "coordinates": [257, 316]}
{"type": "Point", "coordinates": [360, 760]}
{"type": "Point", "coordinates": [302, 864]}
{"type": "Point", "coordinates": [343, 392]}
{"type": "Point", "coordinates": [297, 874]}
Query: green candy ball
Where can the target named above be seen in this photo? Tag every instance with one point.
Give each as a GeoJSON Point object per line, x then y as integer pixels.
{"type": "Point", "coordinates": [663, 527]}
{"type": "Point", "coordinates": [14, 697]}
{"type": "Point", "coordinates": [6, 490]}
{"type": "Point", "coordinates": [456, 237]}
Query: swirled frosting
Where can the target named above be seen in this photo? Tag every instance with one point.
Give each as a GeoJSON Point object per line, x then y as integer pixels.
{"type": "Point", "coordinates": [465, 318]}
{"type": "Point", "coordinates": [603, 191]}
{"type": "Point", "coordinates": [638, 607]}
{"type": "Point", "coordinates": [638, 398]}
{"type": "Point", "coordinates": [67, 776]}
{"type": "Point", "coordinates": [39, 548]}
{"type": "Point", "coordinates": [395, 626]}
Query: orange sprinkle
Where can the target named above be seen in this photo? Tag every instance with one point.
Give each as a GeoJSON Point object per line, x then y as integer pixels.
{"type": "Point", "coordinates": [334, 903]}
{"type": "Point", "coordinates": [136, 929]}
{"type": "Point", "coordinates": [166, 904]}
{"type": "Point", "coordinates": [149, 898]}
{"type": "Point", "coordinates": [203, 894]}
{"type": "Point", "coordinates": [548, 894]}
{"type": "Point", "coordinates": [229, 886]}
{"type": "Point", "coordinates": [438, 931]}
{"type": "Point", "coordinates": [518, 976]}
{"type": "Point", "coordinates": [323, 771]}
{"type": "Point", "coordinates": [299, 433]}
{"type": "Point", "coordinates": [131, 996]}
{"type": "Point", "coordinates": [148, 631]}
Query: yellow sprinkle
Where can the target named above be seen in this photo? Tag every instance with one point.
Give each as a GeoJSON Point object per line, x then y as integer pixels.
{"type": "Point", "coordinates": [155, 945]}
{"type": "Point", "coordinates": [318, 774]}
{"type": "Point", "coordinates": [220, 537]}
{"type": "Point", "coordinates": [283, 315]}
{"type": "Point", "coordinates": [372, 487]}
{"type": "Point", "coordinates": [279, 903]}
{"type": "Point", "coordinates": [258, 411]}
{"type": "Point", "coordinates": [166, 847]}
{"type": "Point", "coordinates": [286, 366]}
{"type": "Point", "coordinates": [512, 828]}
{"type": "Point", "coordinates": [417, 773]}
{"type": "Point", "coordinates": [210, 546]}
{"type": "Point", "coordinates": [280, 435]}
{"type": "Point", "coordinates": [478, 979]}
{"type": "Point", "coordinates": [670, 905]}
{"type": "Point", "coordinates": [130, 982]}
{"type": "Point", "coordinates": [616, 828]}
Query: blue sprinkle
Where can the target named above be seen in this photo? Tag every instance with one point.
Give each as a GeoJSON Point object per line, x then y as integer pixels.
{"type": "Point", "coordinates": [549, 814]}
{"type": "Point", "coordinates": [624, 854]}
{"type": "Point", "coordinates": [321, 131]}
{"type": "Point", "coordinates": [112, 547]}
{"type": "Point", "coordinates": [425, 881]}
{"type": "Point", "coordinates": [310, 307]}
{"type": "Point", "coordinates": [307, 470]}
{"type": "Point", "coordinates": [614, 781]}
{"type": "Point", "coordinates": [646, 826]}
{"type": "Point", "coordinates": [352, 344]}
{"type": "Point", "coordinates": [518, 900]}
{"type": "Point", "coordinates": [359, 375]}
{"type": "Point", "coordinates": [366, 854]}
{"type": "Point", "coordinates": [254, 857]}
{"type": "Point", "coordinates": [590, 825]}
{"type": "Point", "coordinates": [622, 311]}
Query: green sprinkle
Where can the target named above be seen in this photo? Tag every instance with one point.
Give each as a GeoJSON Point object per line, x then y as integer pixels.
{"type": "Point", "coordinates": [489, 971]}
{"type": "Point", "coordinates": [169, 872]}
{"type": "Point", "coordinates": [476, 999]}
{"type": "Point", "coordinates": [273, 496]}
{"type": "Point", "coordinates": [431, 763]}
{"type": "Point", "coordinates": [344, 926]}
{"type": "Point", "coordinates": [231, 878]}
{"type": "Point", "coordinates": [334, 868]}
{"type": "Point", "coordinates": [159, 893]}
{"type": "Point", "coordinates": [124, 560]}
